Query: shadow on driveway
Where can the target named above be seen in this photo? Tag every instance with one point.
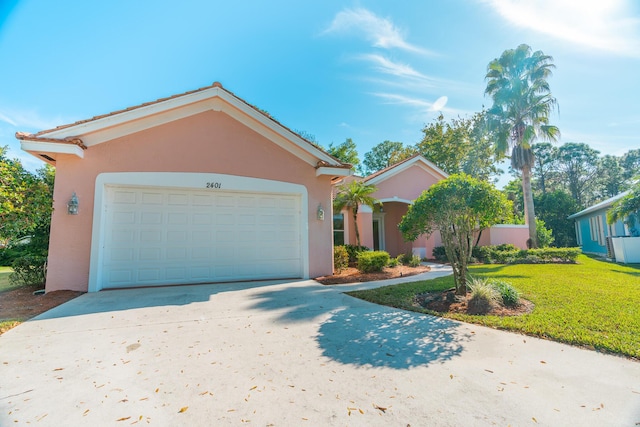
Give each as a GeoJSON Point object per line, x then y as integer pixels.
{"type": "Point", "coordinates": [389, 338]}
{"type": "Point", "coordinates": [355, 332]}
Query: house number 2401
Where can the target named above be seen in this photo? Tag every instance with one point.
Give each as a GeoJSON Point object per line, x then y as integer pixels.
{"type": "Point", "coordinates": [215, 185]}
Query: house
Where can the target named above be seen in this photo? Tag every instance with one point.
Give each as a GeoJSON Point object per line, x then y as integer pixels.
{"type": "Point", "coordinates": [597, 237]}
{"type": "Point", "coordinates": [397, 187]}
{"type": "Point", "coordinates": [199, 187]}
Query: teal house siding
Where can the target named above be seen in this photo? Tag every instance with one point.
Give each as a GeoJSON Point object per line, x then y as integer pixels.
{"type": "Point", "coordinates": [592, 229]}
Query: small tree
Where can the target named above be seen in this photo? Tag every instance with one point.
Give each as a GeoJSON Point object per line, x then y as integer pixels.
{"type": "Point", "coordinates": [458, 207]}
{"type": "Point", "coordinates": [627, 209]}
{"type": "Point", "coordinates": [351, 196]}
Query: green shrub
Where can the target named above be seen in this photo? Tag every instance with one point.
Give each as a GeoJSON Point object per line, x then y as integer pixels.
{"type": "Point", "coordinates": [414, 261]}
{"type": "Point", "coordinates": [394, 262]}
{"type": "Point", "coordinates": [340, 258]}
{"type": "Point", "coordinates": [555, 254]}
{"type": "Point", "coordinates": [508, 253]}
{"type": "Point", "coordinates": [439, 254]}
{"type": "Point", "coordinates": [510, 295]}
{"type": "Point", "coordinates": [543, 234]}
{"type": "Point", "coordinates": [372, 261]}
{"type": "Point", "coordinates": [29, 270]}
{"type": "Point", "coordinates": [354, 250]}
{"type": "Point", "coordinates": [484, 296]}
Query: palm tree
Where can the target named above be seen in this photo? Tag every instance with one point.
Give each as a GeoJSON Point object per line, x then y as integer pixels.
{"type": "Point", "coordinates": [351, 196]}
{"type": "Point", "coordinates": [522, 102]}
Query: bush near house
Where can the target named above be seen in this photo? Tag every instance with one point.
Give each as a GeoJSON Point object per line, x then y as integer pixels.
{"type": "Point", "coordinates": [353, 251]}
{"type": "Point", "coordinates": [340, 258]}
{"type": "Point", "coordinates": [29, 270]}
{"type": "Point", "coordinates": [372, 261]}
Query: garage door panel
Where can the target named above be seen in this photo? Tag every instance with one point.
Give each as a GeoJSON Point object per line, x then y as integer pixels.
{"type": "Point", "coordinates": [165, 236]}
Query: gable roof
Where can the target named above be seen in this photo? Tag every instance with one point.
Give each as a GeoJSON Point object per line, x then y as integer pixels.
{"type": "Point", "coordinates": [598, 206]}
{"type": "Point", "coordinates": [77, 137]}
{"type": "Point", "coordinates": [416, 159]}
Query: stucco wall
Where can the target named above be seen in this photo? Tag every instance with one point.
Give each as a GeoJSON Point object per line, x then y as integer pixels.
{"type": "Point", "coordinates": [209, 142]}
{"type": "Point", "coordinates": [407, 184]}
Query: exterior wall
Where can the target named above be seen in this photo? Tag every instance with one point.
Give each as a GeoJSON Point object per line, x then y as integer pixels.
{"type": "Point", "coordinates": [407, 185]}
{"type": "Point", "coordinates": [209, 142]}
{"type": "Point", "coordinates": [514, 234]}
{"type": "Point", "coordinates": [589, 245]}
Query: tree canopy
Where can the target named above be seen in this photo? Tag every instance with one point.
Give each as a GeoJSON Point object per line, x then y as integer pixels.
{"type": "Point", "coordinates": [522, 102]}
{"type": "Point", "coordinates": [462, 145]}
{"type": "Point", "coordinates": [346, 152]}
{"type": "Point", "coordinates": [457, 207]}
{"type": "Point", "coordinates": [25, 199]}
{"type": "Point", "coordinates": [385, 154]}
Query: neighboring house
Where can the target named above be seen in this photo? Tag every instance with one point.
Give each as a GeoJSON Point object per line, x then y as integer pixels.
{"type": "Point", "coordinates": [195, 188]}
{"type": "Point", "coordinates": [397, 187]}
{"type": "Point", "coordinates": [592, 229]}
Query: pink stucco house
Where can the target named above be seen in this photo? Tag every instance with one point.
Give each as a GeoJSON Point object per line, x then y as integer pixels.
{"type": "Point", "coordinates": [196, 188]}
{"type": "Point", "coordinates": [397, 187]}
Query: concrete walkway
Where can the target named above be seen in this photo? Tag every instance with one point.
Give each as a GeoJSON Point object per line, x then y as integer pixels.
{"type": "Point", "coordinates": [294, 354]}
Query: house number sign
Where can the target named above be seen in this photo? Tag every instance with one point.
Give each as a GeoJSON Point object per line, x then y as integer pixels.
{"type": "Point", "coordinates": [214, 185]}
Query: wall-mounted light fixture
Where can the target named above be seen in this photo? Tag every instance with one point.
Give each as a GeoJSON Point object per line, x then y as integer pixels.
{"type": "Point", "coordinates": [72, 205]}
{"type": "Point", "coordinates": [320, 213]}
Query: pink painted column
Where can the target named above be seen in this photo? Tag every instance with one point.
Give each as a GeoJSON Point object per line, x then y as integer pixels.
{"type": "Point", "coordinates": [365, 226]}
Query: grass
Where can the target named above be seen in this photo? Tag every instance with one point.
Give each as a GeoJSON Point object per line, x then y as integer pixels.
{"type": "Point", "coordinates": [5, 285]}
{"type": "Point", "coordinates": [595, 304]}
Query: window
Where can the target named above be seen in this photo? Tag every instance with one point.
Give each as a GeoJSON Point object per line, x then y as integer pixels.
{"type": "Point", "coordinates": [596, 228]}
{"type": "Point", "coordinates": [578, 233]}
{"type": "Point", "coordinates": [338, 229]}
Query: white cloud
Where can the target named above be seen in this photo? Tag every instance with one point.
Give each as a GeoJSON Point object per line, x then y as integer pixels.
{"type": "Point", "coordinates": [29, 120]}
{"type": "Point", "coordinates": [379, 31]}
{"type": "Point", "coordinates": [425, 108]}
{"type": "Point", "coordinates": [604, 25]}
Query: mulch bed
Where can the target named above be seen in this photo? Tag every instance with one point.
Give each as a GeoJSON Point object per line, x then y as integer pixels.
{"type": "Point", "coordinates": [353, 275]}
{"type": "Point", "coordinates": [448, 302]}
{"type": "Point", "coordinates": [22, 304]}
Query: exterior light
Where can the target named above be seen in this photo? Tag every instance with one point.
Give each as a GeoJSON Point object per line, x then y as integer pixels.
{"type": "Point", "coordinates": [320, 213]}
{"type": "Point", "coordinates": [72, 205]}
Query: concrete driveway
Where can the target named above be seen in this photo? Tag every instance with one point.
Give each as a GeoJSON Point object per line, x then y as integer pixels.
{"type": "Point", "coordinates": [294, 354]}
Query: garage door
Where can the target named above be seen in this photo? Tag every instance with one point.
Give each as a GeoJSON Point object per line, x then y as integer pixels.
{"type": "Point", "coordinates": [157, 236]}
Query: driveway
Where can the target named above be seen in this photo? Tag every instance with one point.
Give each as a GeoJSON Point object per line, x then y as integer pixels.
{"type": "Point", "coordinates": [294, 354]}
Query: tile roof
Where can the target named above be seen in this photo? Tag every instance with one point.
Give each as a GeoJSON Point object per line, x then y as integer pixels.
{"type": "Point", "coordinates": [41, 136]}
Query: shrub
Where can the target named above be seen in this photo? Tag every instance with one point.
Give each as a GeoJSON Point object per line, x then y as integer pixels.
{"type": "Point", "coordinates": [414, 261]}
{"type": "Point", "coordinates": [394, 262]}
{"type": "Point", "coordinates": [439, 254]}
{"type": "Point", "coordinates": [340, 258]}
{"type": "Point", "coordinates": [507, 253]}
{"type": "Point", "coordinates": [372, 261]}
{"type": "Point", "coordinates": [510, 295]}
{"type": "Point", "coordinates": [29, 270]}
{"type": "Point", "coordinates": [354, 250]}
{"type": "Point", "coordinates": [484, 296]}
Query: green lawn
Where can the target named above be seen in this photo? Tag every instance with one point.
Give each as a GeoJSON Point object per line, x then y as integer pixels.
{"type": "Point", "coordinates": [593, 303]}
{"type": "Point", "coordinates": [4, 279]}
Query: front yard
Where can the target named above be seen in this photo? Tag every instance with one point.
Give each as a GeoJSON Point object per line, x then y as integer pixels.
{"type": "Point", "coordinates": [595, 304]}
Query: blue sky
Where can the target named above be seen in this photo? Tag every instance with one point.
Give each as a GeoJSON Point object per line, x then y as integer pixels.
{"type": "Point", "coordinates": [366, 70]}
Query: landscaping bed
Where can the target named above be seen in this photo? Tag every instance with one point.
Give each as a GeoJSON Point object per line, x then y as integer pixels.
{"type": "Point", "coordinates": [20, 304]}
{"type": "Point", "coordinates": [353, 275]}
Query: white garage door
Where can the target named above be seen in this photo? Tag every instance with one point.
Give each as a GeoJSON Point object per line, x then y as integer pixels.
{"type": "Point", "coordinates": [156, 236]}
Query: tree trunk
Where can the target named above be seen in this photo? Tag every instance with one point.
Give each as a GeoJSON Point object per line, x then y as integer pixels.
{"type": "Point", "coordinates": [530, 215]}
{"type": "Point", "coordinates": [355, 224]}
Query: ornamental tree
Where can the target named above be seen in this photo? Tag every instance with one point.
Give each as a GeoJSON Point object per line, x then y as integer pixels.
{"type": "Point", "coordinates": [457, 207]}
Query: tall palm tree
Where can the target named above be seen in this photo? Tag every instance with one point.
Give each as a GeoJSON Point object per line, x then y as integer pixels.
{"type": "Point", "coordinates": [522, 102]}
{"type": "Point", "coordinates": [351, 196]}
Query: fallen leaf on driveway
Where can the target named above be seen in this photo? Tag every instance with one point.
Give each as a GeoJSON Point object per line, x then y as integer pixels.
{"type": "Point", "coordinates": [380, 408]}
{"type": "Point", "coordinates": [183, 409]}
{"type": "Point", "coordinates": [123, 419]}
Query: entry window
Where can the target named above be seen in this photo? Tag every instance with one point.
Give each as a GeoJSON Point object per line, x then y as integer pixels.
{"type": "Point", "coordinates": [338, 229]}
